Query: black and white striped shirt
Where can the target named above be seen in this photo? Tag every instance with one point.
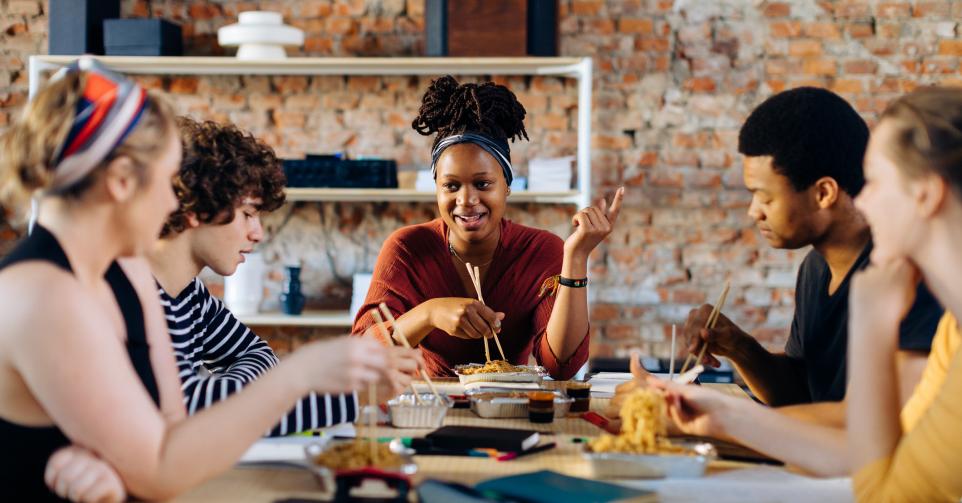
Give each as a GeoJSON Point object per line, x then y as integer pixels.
{"type": "Point", "coordinates": [217, 356]}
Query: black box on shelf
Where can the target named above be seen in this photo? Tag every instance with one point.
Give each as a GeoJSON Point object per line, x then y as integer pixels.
{"type": "Point", "coordinates": [142, 37]}
{"type": "Point", "coordinates": [77, 26]}
{"type": "Point", "coordinates": [328, 171]}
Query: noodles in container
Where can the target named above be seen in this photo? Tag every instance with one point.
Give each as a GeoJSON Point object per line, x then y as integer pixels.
{"type": "Point", "coordinates": [338, 458]}
{"type": "Point", "coordinates": [643, 449]}
{"type": "Point", "coordinates": [499, 371]}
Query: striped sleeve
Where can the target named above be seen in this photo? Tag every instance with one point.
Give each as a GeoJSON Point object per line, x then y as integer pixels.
{"type": "Point", "coordinates": [217, 356]}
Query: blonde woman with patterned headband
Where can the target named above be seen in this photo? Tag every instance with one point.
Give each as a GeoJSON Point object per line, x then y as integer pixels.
{"type": "Point", "coordinates": [85, 358]}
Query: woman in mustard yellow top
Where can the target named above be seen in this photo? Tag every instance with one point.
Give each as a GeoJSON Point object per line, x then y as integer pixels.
{"type": "Point", "coordinates": [913, 202]}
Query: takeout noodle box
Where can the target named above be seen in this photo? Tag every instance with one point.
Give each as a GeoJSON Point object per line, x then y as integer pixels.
{"type": "Point", "coordinates": [529, 373]}
{"type": "Point", "coordinates": [405, 412]}
{"type": "Point", "coordinates": [615, 465]}
{"type": "Point", "coordinates": [327, 476]}
{"type": "Point", "coordinates": [511, 404]}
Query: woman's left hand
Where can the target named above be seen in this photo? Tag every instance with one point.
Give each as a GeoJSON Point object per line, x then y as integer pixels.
{"type": "Point", "coordinates": [592, 226]}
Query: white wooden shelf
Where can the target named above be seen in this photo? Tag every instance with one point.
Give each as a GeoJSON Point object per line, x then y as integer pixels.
{"type": "Point", "coordinates": [579, 69]}
{"type": "Point", "coordinates": [213, 65]}
{"type": "Point", "coordinates": [334, 319]}
{"type": "Point", "coordinates": [411, 195]}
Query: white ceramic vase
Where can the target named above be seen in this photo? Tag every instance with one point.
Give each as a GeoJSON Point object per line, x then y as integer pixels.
{"type": "Point", "coordinates": [260, 35]}
{"type": "Point", "coordinates": [244, 290]}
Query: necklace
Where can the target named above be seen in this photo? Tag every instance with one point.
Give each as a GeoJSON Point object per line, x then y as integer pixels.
{"type": "Point", "coordinates": [455, 255]}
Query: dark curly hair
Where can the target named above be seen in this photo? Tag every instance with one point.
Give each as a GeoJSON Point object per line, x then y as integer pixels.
{"type": "Point", "coordinates": [810, 133]}
{"type": "Point", "coordinates": [222, 165]}
{"type": "Point", "coordinates": [449, 108]}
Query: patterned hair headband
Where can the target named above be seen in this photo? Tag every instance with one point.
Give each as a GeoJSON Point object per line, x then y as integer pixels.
{"type": "Point", "coordinates": [497, 148]}
{"type": "Point", "coordinates": [108, 110]}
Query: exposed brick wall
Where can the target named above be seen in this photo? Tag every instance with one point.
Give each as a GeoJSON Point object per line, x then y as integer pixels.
{"type": "Point", "coordinates": [674, 79]}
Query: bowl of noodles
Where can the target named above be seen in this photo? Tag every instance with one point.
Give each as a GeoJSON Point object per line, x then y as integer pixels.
{"type": "Point", "coordinates": [338, 458]}
{"type": "Point", "coordinates": [499, 371]}
{"type": "Point", "coordinates": [642, 449]}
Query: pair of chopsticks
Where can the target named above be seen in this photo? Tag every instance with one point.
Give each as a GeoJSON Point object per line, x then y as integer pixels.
{"type": "Point", "coordinates": [712, 319]}
{"type": "Point", "coordinates": [404, 341]}
{"type": "Point", "coordinates": [475, 274]}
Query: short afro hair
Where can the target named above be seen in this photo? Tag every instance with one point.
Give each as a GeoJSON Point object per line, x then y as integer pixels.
{"type": "Point", "coordinates": [810, 133]}
{"type": "Point", "coordinates": [222, 165]}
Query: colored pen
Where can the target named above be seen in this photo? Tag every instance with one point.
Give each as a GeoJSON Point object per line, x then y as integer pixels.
{"type": "Point", "coordinates": [534, 450]}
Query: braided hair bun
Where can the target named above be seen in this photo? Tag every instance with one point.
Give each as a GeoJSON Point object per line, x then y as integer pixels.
{"type": "Point", "coordinates": [450, 108]}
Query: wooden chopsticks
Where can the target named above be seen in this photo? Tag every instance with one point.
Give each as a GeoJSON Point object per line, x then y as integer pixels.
{"type": "Point", "coordinates": [404, 341]}
{"type": "Point", "coordinates": [475, 274]}
{"type": "Point", "coordinates": [712, 319]}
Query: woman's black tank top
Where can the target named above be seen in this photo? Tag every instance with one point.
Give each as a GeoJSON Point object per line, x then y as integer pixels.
{"type": "Point", "coordinates": [26, 449]}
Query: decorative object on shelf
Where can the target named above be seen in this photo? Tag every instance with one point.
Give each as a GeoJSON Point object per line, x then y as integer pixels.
{"type": "Point", "coordinates": [491, 27]}
{"type": "Point", "coordinates": [142, 37]}
{"type": "Point", "coordinates": [244, 290]}
{"type": "Point", "coordinates": [334, 172]}
{"type": "Point", "coordinates": [77, 26]}
{"type": "Point", "coordinates": [292, 300]}
{"type": "Point", "coordinates": [360, 283]}
{"type": "Point", "coordinates": [260, 35]}
{"type": "Point", "coordinates": [550, 175]}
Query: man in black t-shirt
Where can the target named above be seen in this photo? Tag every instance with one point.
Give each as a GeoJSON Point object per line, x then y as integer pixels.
{"type": "Point", "coordinates": [803, 165]}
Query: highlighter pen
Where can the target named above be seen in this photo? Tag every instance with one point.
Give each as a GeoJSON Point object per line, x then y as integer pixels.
{"type": "Point", "coordinates": [534, 450]}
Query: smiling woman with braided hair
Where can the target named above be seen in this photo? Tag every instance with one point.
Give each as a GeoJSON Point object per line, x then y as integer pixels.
{"type": "Point", "coordinates": [532, 282]}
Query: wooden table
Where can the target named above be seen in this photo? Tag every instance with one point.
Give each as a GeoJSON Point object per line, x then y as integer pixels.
{"type": "Point", "coordinates": [276, 483]}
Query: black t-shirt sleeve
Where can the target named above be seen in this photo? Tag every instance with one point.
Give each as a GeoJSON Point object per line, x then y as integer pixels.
{"type": "Point", "coordinates": [918, 327]}
{"type": "Point", "coordinates": [793, 348]}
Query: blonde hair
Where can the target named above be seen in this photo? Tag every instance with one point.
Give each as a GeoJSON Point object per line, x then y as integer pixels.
{"type": "Point", "coordinates": [29, 145]}
{"type": "Point", "coordinates": [927, 134]}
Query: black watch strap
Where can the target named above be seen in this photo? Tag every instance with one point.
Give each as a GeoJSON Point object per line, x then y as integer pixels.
{"type": "Point", "coordinates": [572, 283]}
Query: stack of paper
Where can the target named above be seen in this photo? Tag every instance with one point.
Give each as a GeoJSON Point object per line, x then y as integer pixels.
{"type": "Point", "coordinates": [603, 384]}
{"type": "Point", "coordinates": [425, 181]}
{"type": "Point", "coordinates": [550, 175]}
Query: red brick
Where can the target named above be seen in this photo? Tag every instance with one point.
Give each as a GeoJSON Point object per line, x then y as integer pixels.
{"type": "Point", "coordinates": [643, 26]}
{"type": "Point", "coordinates": [823, 30]}
{"type": "Point", "coordinates": [861, 66]}
{"type": "Point", "coordinates": [847, 86]}
{"type": "Point", "coordinates": [700, 84]}
{"type": "Point", "coordinates": [804, 48]}
{"type": "Point", "coordinates": [318, 45]}
{"type": "Point", "coordinates": [204, 11]}
{"type": "Point", "coordinates": [895, 10]}
{"type": "Point", "coordinates": [349, 7]}
{"type": "Point", "coordinates": [184, 85]}
{"type": "Point", "coordinates": [785, 29]}
{"type": "Point", "coordinates": [819, 67]}
{"type": "Point", "coordinates": [777, 9]}
{"type": "Point", "coordinates": [376, 25]}
{"type": "Point", "coordinates": [653, 44]}
{"type": "Point", "coordinates": [938, 10]}
{"type": "Point", "coordinates": [586, 7]}
{"type": "Point", "coordinates": [853, 9]}
{"type": "Point", "coordinates": [552, 121]}
{"type": "Point", "coordinates": [622, 331]}
{"type": "Point", "coordinates": [314, 8]}
{"type": "Point", "coordinates": [364, 83]}
{"type": "Point", "coordinates": [604, 312]}
{"type": "Point", "coordinates": [340, 25]}
{"type": "Point", "coordinates": [290, 83]}
{"type": "Point", "coordinates": [4, 120]}
{"type": "Point", "coordinates": [860, 30]}
{"type": "Point", "coordinates": [950, 47]}
{"type": "Point", "coordinates": [600, 27]}
{"type": "Point", "coordinates": [415, 8]}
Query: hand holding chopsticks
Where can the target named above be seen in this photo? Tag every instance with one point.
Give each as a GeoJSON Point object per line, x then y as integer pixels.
{"type": "Point", "coordinates": [475, 274]}
{"type": "Point", "coordinates": [709, 325]}
{"type": "Point", "coordinates": [405, 343]}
